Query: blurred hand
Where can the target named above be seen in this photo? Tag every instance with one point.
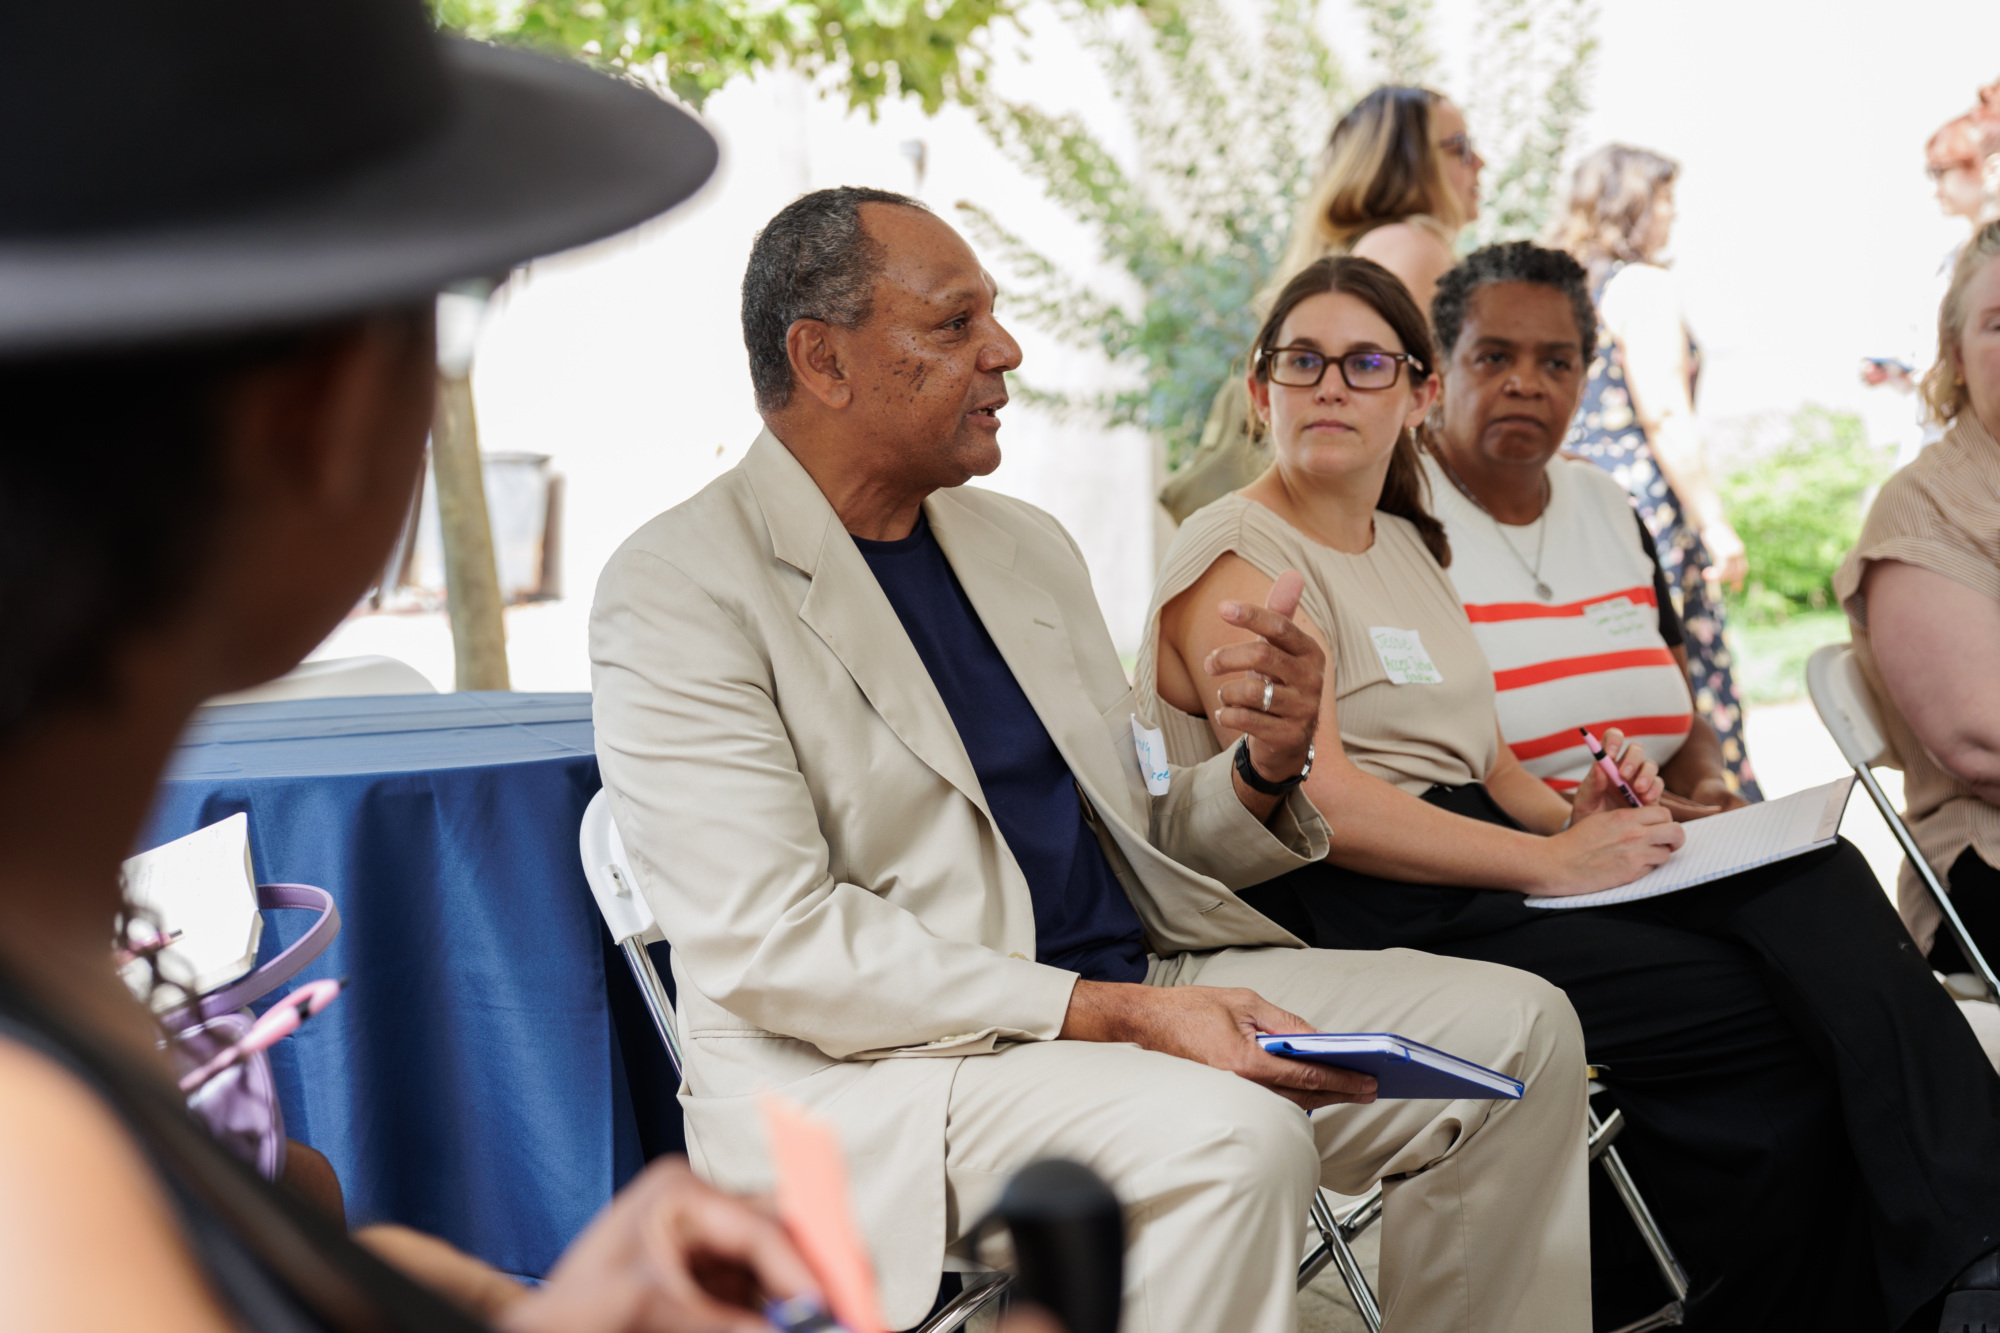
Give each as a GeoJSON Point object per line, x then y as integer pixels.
{"type": "Point", "coordinates": [1214, 1026]}
{"type": "Point", "coordinates": [1876, 374]}
{"type": "Point", "coordinates": [1731, 563]}
{"type": "Point", "coordinates": [438, 1264]}
{"type": "Point", "coordinates": [1283, 655]}
{"type": "Point", "coordinates": [670, 1254]}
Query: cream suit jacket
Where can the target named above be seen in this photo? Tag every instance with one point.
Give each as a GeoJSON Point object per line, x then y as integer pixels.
{"type": "Point", "coordinates": [846, 920]}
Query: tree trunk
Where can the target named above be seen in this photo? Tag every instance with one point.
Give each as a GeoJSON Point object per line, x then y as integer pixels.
{"type": "Point", "coordinates": [472, 581]}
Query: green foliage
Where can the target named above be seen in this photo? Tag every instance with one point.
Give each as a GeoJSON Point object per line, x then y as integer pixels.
{"type": "Point", "coordinates": [1228, 124]}
{"type": "Point", "coordinates": [920, 48]}
{"type": "Point", "coordinates": [1225, 125]}
{"type": "Point", "coordinates": [1399, 41]}
{"type": "Point", "coordinates": [1531, 64]}
{"type": "Point", "coordinates": [1799, 509]}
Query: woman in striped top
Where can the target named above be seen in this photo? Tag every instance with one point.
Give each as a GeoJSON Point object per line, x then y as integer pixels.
{"type": "Point", "coordinates": [1809, 1115]}
{"type": "Point", "coordinates": [1563, 586]}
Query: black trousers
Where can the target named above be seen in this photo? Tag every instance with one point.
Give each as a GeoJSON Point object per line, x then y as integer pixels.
{"type": "Point", "coordinates": [1813, 1123]}
{"type": "Point", "coordinates": [1975, 892]}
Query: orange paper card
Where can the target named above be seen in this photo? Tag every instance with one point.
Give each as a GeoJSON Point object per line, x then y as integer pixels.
{"type": "Point", "coordinates": [812, 1200]}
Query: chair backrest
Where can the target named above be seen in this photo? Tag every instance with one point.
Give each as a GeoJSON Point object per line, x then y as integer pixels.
{"type": "Point", "coordinates": [1847, 707]}
{"type": "Point", "coordinates": [619, 902]}
{"type": "Point", "coordinates": [336, 678]}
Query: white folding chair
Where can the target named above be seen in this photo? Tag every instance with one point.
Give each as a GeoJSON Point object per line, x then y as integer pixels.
{"type": "Point", "coordinates": [633, 927]}
{"type": "Point", "coordinates": [1338, 1231]}
{"type": "Point", "coordinates": [1848, 710]}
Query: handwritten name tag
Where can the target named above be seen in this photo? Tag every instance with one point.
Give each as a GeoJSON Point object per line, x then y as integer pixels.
{"type": "Point", "coordinates": [1620, 620]}
{"type": "Point", "coordinates": [1150, 743]}
{"type": "Point", "coordinates": [1403, 656]}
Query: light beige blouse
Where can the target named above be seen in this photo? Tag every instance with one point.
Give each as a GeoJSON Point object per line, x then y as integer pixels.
{"type": "Point", "coordinates": [1941, 513]}
{"type": "Point", "coordinates": [1412, 687]}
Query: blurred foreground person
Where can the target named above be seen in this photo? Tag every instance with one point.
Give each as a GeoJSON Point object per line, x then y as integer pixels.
{"type": "Point", "coordinates": [1397, 183]}
{"type": "Point", "coordinates": [218, 254]}
{"type": "Point", "coordinates": [1922, 592]}
{"type": "Point", "coordinates": [872, 753]}
{"type": "Point", "coordinates": [1637, 420]}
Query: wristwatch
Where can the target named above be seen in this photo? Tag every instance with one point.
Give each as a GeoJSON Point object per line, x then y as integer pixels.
{"type": "Point", "coordinates": [1257, 781]}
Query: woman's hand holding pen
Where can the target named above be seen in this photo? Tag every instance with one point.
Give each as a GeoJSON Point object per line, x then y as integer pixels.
{"type": "Point", "coordinates": [1608, 842]}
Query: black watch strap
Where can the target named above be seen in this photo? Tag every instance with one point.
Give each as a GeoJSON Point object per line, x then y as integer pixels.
{"type": "Point", "coordinates": [1257, 781]}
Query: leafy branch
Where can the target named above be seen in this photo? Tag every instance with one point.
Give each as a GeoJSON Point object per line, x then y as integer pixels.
{"type": "Point", "coordinates": [1224, 125]}
{"type": "Point", "coordinates": [927, 49]}
{"type": "Point", "coordinates": [1227, 119]}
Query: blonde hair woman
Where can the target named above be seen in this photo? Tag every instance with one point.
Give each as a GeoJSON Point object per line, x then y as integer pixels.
{"type": "Point", "coordinates": [1637, 420]}
{"type": "Point", "coordinates": [1398, 181]}
{"type": "Point", "coordinates": [1922, 592]}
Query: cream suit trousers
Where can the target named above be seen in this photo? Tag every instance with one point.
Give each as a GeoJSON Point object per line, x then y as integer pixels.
{"type": "Point", "coordinates": [1485, 1217]}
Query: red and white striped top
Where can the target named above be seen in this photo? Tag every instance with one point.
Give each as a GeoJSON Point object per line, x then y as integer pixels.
{"type": "Point", "coordinates": [1592, 656]}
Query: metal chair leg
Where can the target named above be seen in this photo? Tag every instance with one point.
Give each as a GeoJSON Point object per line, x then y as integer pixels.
{"type": "Point", "coordinates": [1335, 1233]}
{"type": "Point", "coordinates": [1602, 1132]}
{"type": "Point", "coordinates": [1952, 923]}
{"type": "Point", "coordinates": [979, 1291]}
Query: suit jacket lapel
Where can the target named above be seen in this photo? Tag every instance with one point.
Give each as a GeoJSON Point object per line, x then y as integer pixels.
{"type": "Point", "coordinates": [847, 609]}
{"type": "Point", "coordinates": [1028, 627]}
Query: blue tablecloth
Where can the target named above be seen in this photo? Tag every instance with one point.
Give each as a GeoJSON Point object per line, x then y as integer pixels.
{"type": "Point", "coordinates": [469, 1083]}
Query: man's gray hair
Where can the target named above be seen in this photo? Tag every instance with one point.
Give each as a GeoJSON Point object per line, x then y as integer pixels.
{"type": "Point", "coordinates": [812, 261]}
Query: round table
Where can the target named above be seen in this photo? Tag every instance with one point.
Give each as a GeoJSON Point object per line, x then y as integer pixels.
{"type": "Point", "coordinates": [470, 1081]}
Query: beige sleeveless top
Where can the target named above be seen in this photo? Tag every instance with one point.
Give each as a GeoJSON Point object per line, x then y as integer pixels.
{"type": "Point", "coordinates": [1412, 688]}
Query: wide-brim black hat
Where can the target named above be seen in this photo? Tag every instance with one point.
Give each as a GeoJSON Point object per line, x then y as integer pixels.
{"type": "Point", "coordinates": [244, 165]}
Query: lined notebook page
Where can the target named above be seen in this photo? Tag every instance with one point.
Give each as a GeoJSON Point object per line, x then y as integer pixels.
{"type": "Point", "coordinates": [1723, 845]}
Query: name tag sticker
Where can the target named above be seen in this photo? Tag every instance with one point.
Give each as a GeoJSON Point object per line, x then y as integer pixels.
{"type": "Point", "coordinates": [1150, 744]}
{"type": "Point", "coordinates": [1403, 656]}
{"type": "Point", "coordinates": [1621, 620]}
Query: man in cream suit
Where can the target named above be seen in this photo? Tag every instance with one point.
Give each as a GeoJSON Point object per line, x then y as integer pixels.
{"type": "Point", "coordinates": [872, 755]}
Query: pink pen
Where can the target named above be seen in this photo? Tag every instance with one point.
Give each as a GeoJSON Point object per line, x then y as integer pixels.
{"type": "Point", "coordinates": [1610, 767]}
{"type": "Point", "coordinates": [281, 1020]}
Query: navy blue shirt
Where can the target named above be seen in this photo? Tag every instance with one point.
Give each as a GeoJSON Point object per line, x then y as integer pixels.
{"type": "Point", "coordinates": [1083, 920]}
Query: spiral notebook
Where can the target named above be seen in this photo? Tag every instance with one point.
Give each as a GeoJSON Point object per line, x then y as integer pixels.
{"type": "Point", "coordinates": [1402, 1069]}
{"type": "Point", "coordinates": [1727, 844]}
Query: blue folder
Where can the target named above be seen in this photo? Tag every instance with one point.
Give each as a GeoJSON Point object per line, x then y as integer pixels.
{"type": "Point", "coordinates": [1403, 1070]}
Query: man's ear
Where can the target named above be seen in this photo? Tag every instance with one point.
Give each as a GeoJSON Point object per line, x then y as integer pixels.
{"type": "Point", "coordinates": [818, 367]}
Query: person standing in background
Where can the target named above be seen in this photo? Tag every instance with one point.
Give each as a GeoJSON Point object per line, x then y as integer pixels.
{"type": "Point", "coordinates": [1963, 161]}
{"type": "Point", "coordinates": [1398, 181]}
{"type": "Point", "coordinates": [1637, 420]}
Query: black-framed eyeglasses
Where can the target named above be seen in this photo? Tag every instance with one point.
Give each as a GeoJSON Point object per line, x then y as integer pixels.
{"type": "Point", "coordinates": [1459, 146]}
{"type": "Point", "coordinates": [1305, 367]}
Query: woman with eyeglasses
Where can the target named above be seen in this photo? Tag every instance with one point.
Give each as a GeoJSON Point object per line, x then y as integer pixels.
{"type": "Point", "coordinates": [1398, 181]}
{"type": "Point", "coordinates": [1808, 1115]}
{"type": "Point", "coordinates": [1637, 419]}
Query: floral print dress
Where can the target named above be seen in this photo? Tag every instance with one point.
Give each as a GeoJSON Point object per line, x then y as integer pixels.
{"type": "Point", "coordinates": [1607, 432]}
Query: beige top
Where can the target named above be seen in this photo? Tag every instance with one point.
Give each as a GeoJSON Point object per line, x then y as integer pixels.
{"type": "Point", "coordinates": [1941, 513]}
{"type": "Point", "coordinates": [1412, 687]}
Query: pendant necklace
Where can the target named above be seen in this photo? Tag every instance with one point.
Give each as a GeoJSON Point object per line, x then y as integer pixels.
{"type": "Point", "coordinates": [1542, 590]}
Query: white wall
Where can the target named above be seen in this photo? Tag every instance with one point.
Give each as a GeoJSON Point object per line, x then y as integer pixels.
{"type": "Point", "coordinates": [1806, 240]}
